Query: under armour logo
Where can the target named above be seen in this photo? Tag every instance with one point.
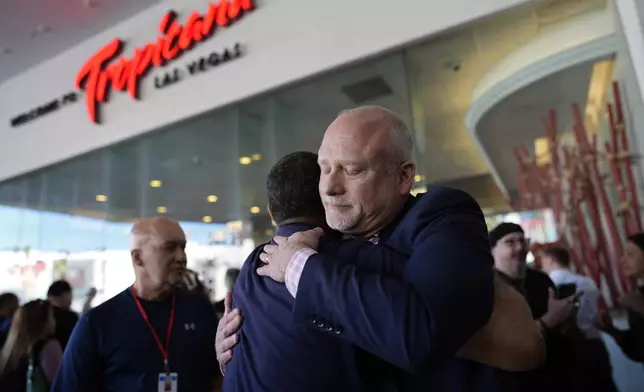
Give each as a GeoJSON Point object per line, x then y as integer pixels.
{"type": "Point", "coordinates": [189, 326]}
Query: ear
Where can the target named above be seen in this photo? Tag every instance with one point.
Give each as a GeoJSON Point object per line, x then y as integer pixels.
{"type": "Point", "coordinates": [136, 257]}
{"type": "Point", "coordinates": [407, 173]}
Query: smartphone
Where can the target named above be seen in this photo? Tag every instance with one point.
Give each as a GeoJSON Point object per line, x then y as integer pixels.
{"type": "Point", "coordinates": [577, 298]}
{"type": "Point", "coordinates": [566, 290]}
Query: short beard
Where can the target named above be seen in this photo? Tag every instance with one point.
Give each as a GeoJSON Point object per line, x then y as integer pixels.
{"type": "Point", "coordinates": [346, 224]}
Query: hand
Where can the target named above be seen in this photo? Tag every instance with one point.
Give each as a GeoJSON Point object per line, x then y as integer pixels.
{"type": "Point", "coordinates": [559, 310]}
{"type": "Point", "coordinates": [227, 329]}
{"type": "Point", "coordinates": [277, 257]}
{"type": "Point", "coordinates": [190, 280]}
{"type": "Point", "coordinates": [633, 302]}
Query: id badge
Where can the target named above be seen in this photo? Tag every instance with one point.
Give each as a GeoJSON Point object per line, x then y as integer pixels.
{"type": "Point", "coordinates": [168, 382]}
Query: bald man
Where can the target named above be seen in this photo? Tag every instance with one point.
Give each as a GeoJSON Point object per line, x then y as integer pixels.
{"type": "Point", "coordinates": [367, 172]}
{"type": "Point", "coordinates": [150, 337]}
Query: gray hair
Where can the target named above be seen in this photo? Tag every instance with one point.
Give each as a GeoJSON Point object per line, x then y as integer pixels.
{"type": "Point", "coordinates": [401, 142]}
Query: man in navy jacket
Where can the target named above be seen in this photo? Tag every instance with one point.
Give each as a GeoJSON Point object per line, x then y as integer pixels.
{"type": "Point", "coordinates": [367, 173]}
{"type": "Point", "coordinates": [151, 332]}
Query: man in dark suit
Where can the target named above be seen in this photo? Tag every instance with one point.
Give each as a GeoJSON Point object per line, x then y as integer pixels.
{"type": "Point", "coordinates": [367, 173]}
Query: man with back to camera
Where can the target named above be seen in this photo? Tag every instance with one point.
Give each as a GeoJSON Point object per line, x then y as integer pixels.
{"type": "Point", "coordinates": [367, 173]}
{"type": "Point", "coordinates": [294, 204]}
{"type": "Point", "coordinates": [148, 334]}
{"type": "Point", "coordinates": [59, 295]}
{"type": "Point", "coordinates": [593, 368]}
{"type": "Point", "coordinates": [552, 315]}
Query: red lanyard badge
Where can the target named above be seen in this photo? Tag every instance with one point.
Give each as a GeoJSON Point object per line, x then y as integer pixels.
{"type": "Point", "coordinates": [164, 350]}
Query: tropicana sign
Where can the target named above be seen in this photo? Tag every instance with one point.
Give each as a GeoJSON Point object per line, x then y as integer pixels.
{"type": "Point", "coordinates": [101, 70]}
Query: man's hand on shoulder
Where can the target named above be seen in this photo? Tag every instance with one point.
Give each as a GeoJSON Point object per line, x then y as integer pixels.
{"type": "Point", "coordinates": [277, 257]}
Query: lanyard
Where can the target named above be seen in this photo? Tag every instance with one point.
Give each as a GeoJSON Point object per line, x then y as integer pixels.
{"type": "Point", "coordinates": [164, 350]}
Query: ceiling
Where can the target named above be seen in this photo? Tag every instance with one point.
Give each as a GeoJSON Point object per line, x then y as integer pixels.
{"type": "Point", "coordinates": [447, 68]}
{"type": "Point", "coordinates": [430, 85]}
{"type": "Point", "coordinates": [32, 31]}
{"type": "Point", "coordinates": [519, 119]}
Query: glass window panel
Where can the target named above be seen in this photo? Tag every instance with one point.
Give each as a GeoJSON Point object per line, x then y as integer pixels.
{"type": "Point", "coordinates": [208, 172]}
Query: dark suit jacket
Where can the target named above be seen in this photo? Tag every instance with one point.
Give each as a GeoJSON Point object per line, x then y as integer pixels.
{"type": "Point", "coordinates": [275, 354]}
{"type": "Point", "coordinates": [419, 324]}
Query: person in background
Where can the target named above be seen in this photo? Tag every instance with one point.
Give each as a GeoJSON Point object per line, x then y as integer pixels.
{"type": "Point", "coordinates": [150, 335]}
{"type": "Point", "coordinates": [9, 303]}
{"type": "Point", "coordinates": [60, 296]}
{"type": "Point", "coordinates": [592, 360]}
{"type": "Point", "coordinates": [510, 249]}
{"type": "Point", "coordinates": [631, 341]}
{"type": "Point", "coordinates": [30, 341]}
{"type": "Point", "coordinates": [231, 278]}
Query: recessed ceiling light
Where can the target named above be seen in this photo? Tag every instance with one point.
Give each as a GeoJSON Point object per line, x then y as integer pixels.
{"type": "Point", "coordinates": [257, 157]}
{"type": "Point", "coordinates": [156, 184]}
{"type": "Point", "coordinates": [255, 210]}
{"type": "Point", "coordinates": [418, 178]}
{"type": "Point", "coordinates": [101, 198]}
{"type": "Point", "coordinates": [245, 160]}
{"type": "Point", "coordinates": [207, 219]}
{"type": "Point", "coordinates": [162, 209]}
{"type": "Point", "coordinates": [212, 198]}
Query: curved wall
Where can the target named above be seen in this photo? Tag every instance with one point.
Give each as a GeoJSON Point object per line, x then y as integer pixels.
{"type": "Point", "coordinates": [585, 38]}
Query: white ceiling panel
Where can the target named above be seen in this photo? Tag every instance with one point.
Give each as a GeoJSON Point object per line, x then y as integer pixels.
{"type": "Point", "coordinates": [32, 31]}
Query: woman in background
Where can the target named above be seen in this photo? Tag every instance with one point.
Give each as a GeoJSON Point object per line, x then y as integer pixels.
{"type": "Point", "coordinates": [31, 352]}
{"type": "Point", "coordinates": [631, 341]}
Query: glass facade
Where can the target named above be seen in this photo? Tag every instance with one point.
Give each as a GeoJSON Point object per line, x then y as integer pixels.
{"type": "Point", "coordinates": [72, 220]}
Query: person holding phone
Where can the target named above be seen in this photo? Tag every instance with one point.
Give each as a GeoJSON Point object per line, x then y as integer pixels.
{"type": "Point", "coordinates": [591, 356]}
{"type": "Point", "coordinates": [510, 248]}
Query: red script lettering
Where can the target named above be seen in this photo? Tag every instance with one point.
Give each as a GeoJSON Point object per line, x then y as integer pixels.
{"type": "Point", "coordinates": [101, 71]}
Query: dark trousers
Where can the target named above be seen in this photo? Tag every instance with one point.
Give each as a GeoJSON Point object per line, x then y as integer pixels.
{"type": "Point", "coordinates": [594, 371]}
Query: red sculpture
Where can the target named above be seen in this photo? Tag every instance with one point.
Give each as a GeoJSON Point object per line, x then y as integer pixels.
{"type": "Point", "coordinates": [572, 185]}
